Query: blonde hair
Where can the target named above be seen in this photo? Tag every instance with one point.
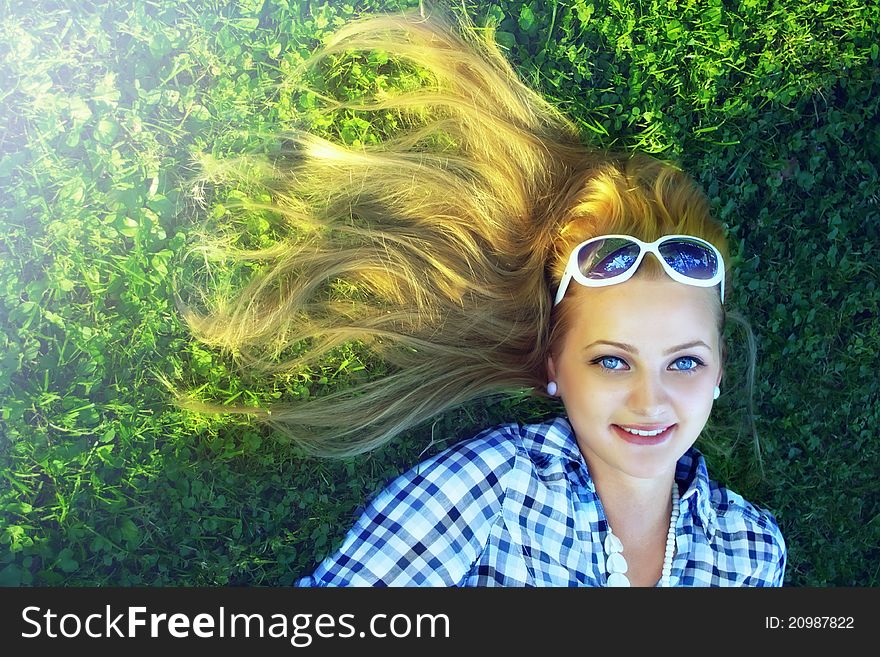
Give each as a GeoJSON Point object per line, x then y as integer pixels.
{"type": "Point", "coordinates": [438, 250]}
{"type": "Point", "coordinates": [643, 197]}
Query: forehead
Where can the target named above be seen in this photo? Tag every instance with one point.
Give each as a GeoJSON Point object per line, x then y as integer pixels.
{"type": "Point", "coordinates": [645, 312]}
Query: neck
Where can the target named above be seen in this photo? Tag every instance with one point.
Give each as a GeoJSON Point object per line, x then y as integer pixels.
{"type": "Point", "coordinates": [640, 542]}
{"type": "Point", "coordinates": [635, 508]}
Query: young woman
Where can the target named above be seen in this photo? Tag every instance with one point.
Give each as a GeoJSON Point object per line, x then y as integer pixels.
{"type": "Point", "coordinates": [489, 250]}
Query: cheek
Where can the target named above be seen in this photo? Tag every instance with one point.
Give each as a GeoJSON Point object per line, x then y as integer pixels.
{"type": "Point", "coordinates": [695, 393]}
{"type": "Point", "coordinates": [693, 386]}
{"type": "Point", "coordinates": [697, 402]}
{"type": "Point", "coordinates": [588, 397]}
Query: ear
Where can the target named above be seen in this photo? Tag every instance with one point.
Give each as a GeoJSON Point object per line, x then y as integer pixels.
{"type": "Point", "coordinates": [551, 369]}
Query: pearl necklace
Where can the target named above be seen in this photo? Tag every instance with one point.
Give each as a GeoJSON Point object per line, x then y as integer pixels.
{"type": "Point", "coordinates": [616, 565]}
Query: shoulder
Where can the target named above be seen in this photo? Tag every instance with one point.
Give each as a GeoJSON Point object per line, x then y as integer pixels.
{"type": "Point", "coordinates": [719, 505]}
{"type": "Point", "coordinates": [735, 512]}
{"type": "Point", "coordinates": [757, 528]}
{"type": "Point", "coordinates": [491, 453]}
{"type": "Point", "coordinates": [430, 524]}
{"type": "Point", "coordinates": [754, 529]}
{"type": "Point", "coordinates": [745, 537]}
{"type": "Point", "coordinates": [499, 454]}
{"type": "Point", "coordinates": [733, 507]}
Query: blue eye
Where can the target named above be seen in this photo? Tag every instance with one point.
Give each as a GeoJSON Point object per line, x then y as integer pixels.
{"type": "Point", "coordinates": [602, 359]}
{"type": "Point", "coordinates": [697, 364]}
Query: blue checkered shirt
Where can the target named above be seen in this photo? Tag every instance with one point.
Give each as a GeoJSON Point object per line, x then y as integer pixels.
{"type": "Point", "coordinates": [515, 506]}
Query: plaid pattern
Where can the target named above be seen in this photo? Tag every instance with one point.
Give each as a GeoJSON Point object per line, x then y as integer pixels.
{"type": "Point", "coordinates": [515, 506]}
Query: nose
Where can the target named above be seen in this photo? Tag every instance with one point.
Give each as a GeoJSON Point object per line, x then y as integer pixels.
{"type": "Point", "coordinates": [648, 397]}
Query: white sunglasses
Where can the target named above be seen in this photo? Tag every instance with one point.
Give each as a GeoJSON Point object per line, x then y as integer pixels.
{"type": "Point", "coordinates": [611, 259]}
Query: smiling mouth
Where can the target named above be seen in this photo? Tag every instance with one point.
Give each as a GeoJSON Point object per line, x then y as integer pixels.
{"type": "Point", "coordinates": [644, 440]}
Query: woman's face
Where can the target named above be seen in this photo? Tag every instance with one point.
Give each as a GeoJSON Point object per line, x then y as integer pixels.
{"type": "Point", "coordinates": [652, 382]}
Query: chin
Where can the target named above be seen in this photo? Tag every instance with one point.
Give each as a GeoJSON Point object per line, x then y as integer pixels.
{"type": "Point", "coordinates": [649, 471]}
{"type": "Point", "coordinates": [636, 460]}
{"type": "Point", "coordinates": [649, 461]}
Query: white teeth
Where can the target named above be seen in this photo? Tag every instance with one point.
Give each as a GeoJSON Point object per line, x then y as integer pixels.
{"type": "Point", "coordinates": [644, 433]}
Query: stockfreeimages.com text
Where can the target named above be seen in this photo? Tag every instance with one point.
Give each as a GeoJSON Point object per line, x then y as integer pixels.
{"type": "Point", "coordinates": [301, 629]}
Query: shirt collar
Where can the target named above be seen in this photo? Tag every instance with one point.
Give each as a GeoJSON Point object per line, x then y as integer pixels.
{"type": "Point", "coordinates": [557, 439]}
{"type": "Point", "coordinates": [691, 473]}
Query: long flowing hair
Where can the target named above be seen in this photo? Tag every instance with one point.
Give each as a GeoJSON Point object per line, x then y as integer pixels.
{"type": "Point", "coordinates": [438, 250]}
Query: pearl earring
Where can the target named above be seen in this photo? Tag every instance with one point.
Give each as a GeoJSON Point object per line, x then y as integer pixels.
{"type": "Point", "coordinates": [551, 388]}
{"type": "Point", "coordinates": [717, 393]}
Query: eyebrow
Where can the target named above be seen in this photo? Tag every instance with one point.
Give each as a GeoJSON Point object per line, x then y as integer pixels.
{"type": "Point", "coordinates": [633, 350]}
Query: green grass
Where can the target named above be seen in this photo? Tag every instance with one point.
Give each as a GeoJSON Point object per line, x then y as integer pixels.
{"type": "Point", "coordinates": [105, 105]}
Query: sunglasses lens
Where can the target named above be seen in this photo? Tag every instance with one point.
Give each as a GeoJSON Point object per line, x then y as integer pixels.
{"type": "Point", "coordinates": [607, 258]}
{"type": "Point", "coordinates": [689, 258]}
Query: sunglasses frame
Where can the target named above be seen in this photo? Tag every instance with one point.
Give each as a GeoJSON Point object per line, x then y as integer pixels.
{"type": "Point", "coordinates": [573, 271]}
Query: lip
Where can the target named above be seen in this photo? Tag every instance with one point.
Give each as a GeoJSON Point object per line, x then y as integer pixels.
{"type": "Point", "coordinates": [644, 440]}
